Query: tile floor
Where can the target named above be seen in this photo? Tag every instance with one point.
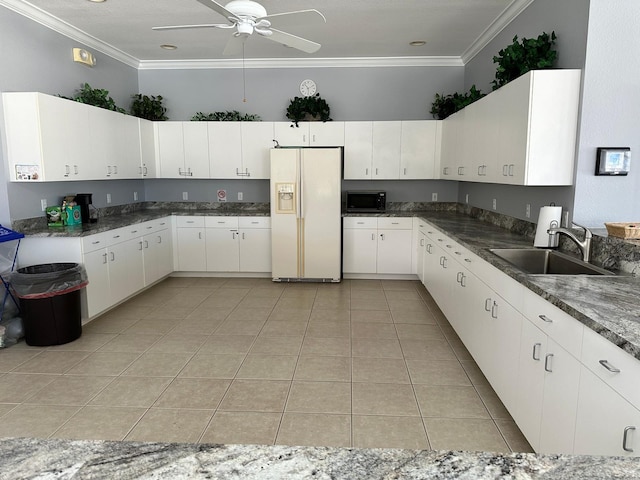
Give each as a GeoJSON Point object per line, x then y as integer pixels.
{"type": "Point", "coordinates": [364, 363]}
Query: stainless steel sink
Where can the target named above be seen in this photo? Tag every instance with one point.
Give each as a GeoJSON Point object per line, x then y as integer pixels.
{"type": "Point", "coordinates": [547, 262]}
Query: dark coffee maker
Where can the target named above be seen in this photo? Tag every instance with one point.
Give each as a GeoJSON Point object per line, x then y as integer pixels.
{"type": "Point", "coordinates": [86, 211]}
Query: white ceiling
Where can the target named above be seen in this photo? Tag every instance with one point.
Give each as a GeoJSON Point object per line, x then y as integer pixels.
{"type": "Point", "coordinates": [453, 29]}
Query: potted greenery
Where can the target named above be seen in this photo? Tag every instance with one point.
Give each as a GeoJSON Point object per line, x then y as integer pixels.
{"type": "Point", "coordinates": [520, 57]}
{"type": "Point", "coordinates": [309, 108]}
{"type": "Point", "coordinates": [228, 116]}
{"type": "Point", "coordinates": [445, 105]}
{"type": "Point", "coordinates": [148, 107]}
{"type": "Point", "coordinates": [97, 97]}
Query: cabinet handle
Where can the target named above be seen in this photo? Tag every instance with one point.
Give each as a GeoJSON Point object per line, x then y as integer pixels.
{"type": "Point", "coordinates": [463, 284]}
{"type": "Point", "coordinates": [609, 367]}
{"type": "Point", "coordinates": [146, 244]}
{"type": "Point", "coordinates": [382, 236]}
{"type": "Point", "coordinates": [104, 258]}
{"type": "Point", "coordinates": [233, 235]}
{"type": "Point", "coordinates": [467, 260]}
{"type": "Point", "coordinates": [422, 242]}
{"type": "Point", "coordinates": [460, 170]}
{"type": "Point", "coordinates": [113, 256]}
{"type": "Point", "coordinates": [487, 305]}
{"type": "Point", "coordinates": [304, 138]}
{"type": "Point", "coordinates": [75, 169]}
{"type": "Point", "coordinates": [313, 138]}
{"type": "Point", "coordinates": [429, 246]}
{"type": "Point", "coordinates": [444, 262]}
{"type": "Point", "coordinates": [115, 169]}
{"type": "Point", "coordinates": [536, 355]}
{"type": "Point", "coordinates": [366, 171]}
{"type": "Point", "coordinates": [458, 253]}
{"type": "Point", "coordinates": [116, 236]}
{"type": "Point", "coordinates": [405, 171]}
{"type": "Point", "coordinates": [149, 228]}
{"type": "Point", "coordinates": [95, 242]}
{"type": "Point", "coordinates": [458, 277]}
{"type": "Point", "coordinates": [547, 362]}
{"type": "Point", "coordinates": [445, 171]}
{"type": "Point", "coordinates": [108, 170]}
{"type": "Point", "coordinates": [199, 235]}
{"type": "Point", "coordinates": [254, 223]}
{"type": "Point", "coordinates": [494, 310]}
{"type": "Point", "coordinates": [625, 437]}
{"type": "Point", "coordinates": [511, 170]}
{"type": "Point", "coordinates": [373, 236]}
{"type": "Point", "coordinates": [159, 238]}
{"type": "Point", "coordinates": [376, 170]}
{"type": "Point", "coordinates": [140, 243]}
{"type": "Point", "coordinates": [449, 246]}
{"type": "Point", "coordinates": [544, 318]}
{"type": "Point", "coordinates": [144, 170]}
{"type": "Point", "coordinates": [67, 170]}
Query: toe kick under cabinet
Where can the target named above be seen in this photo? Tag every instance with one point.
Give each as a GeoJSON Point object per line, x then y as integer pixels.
{"type": "Point", "coordinates": [569, 389]}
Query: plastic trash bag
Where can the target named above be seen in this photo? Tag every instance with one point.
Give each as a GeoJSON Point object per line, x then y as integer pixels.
{"type": "Point", "coordinates": [48, 280]}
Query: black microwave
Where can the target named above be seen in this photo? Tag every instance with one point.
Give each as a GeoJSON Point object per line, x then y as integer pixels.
{"type": "Point", "coordinates": [366, 202]}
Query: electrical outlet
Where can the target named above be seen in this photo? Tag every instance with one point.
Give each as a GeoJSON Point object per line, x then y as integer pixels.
{"type": "Point", "coordinates": [108, 198]}
{"type": "Point", "coordinates": [466, 198]}
{"type": "Point", "coordinates": [135, 196]}
{"type": "Point", "coordinates": [434, 197]}
{"type": "Point", "coordinates": [240, 196]}
{"type": "Point", "coordinates": [185, 195]}
{"type": "Point", "coordinates": [43, 204]}
{"type": "Point", "coordinates": [527, 212]}
{"type": "Point", "coordinates": [495, 204]}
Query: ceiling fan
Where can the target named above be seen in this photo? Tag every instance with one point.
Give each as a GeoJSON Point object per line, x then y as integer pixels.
{"type": "Point", "coordinates": [247, 17]}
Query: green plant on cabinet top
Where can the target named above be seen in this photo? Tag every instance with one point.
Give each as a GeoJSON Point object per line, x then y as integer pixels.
{"type": "Point", "coordinates": [96, 97]}
{"type": "Point", "coordinates": [445, 105]}
{"type": "Point", "coordinates": [228, 116]}
{"type": "Point", "coordinates": [520, 57]}
{"type": "Point", "coordinates": [148, 107]}
{"type": "Point", "coordinates": [313, 107]}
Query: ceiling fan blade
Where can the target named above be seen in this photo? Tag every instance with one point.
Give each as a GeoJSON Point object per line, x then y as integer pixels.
{"type": "Point", "coordinates": [234, 45]}
{"type": "Point", "coordinates": [302, 17]}
{"type": "Point", "coordinates": [293, 41]}
{"type": "Point", "coordinates": [204, 25]}
{"type": "Point", "coordinates": [215, 6]}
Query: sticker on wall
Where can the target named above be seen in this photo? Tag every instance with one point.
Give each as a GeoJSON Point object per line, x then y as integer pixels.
{"type": "Point", "coordinates": [222, 195]}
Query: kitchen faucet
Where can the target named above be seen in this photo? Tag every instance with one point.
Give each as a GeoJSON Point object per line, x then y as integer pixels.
{"type": "Point", "coordinates": [585, 245]}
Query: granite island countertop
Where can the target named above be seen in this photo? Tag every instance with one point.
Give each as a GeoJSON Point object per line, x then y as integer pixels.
{"type": "Point", "coordinates": [23, 458]}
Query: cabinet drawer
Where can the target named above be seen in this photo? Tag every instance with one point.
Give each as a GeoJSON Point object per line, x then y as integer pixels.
{"type": "Point", "coordinates": [604, 359]}
{"type": "Point", "coordinates": [94, 242]}
{"type": "Point", "coordinates": [122, 234]}
{"type": "Point", "coordinates": [396, 223]}
{"type": "Point", "coordinates": [221, 222]}
{"type": "Point", "coordinates": [254, 222]}
{"type": "Point", "coordinates": [190, 222]}
{"type": "Point", "coordinates": [560, 326]}
{"type": "Point", "coordinates": [360, 222]}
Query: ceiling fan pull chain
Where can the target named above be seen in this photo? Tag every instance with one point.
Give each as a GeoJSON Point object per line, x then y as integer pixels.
{"type": "Point", "coordinates": [244, 83]}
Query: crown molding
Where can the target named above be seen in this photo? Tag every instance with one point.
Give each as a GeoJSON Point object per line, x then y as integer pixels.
{"type": "Point", "coordinates": [43, 18]}
{"type": "Point", "coordinates": [302, 63]}
{"type": "Point", "coordinates": [512, 11]}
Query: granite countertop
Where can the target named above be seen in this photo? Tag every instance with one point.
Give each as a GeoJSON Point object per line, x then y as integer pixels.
{"type": "Point", "coordinates": [22, 459]}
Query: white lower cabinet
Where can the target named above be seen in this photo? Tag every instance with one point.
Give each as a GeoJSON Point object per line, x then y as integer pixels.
{"type": "Point", "coordinates": [255, 244]}
{"type": "Point", "coordinates": [98, 290]}
{"type": "Point", "coordinates": [190, 252]}
{"type": "Point", "coordinates": [157, 254]}
{"type": "Point", "coordinates": [377, 245]}
{"type": "Point", "coordinates": [606, 423]}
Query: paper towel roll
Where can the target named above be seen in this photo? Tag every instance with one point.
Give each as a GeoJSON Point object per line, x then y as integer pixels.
{"type": "Point", "coordinates": [549, 217]}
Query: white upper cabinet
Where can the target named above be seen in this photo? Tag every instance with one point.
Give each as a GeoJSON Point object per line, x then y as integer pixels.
{"type": "Point", "coordinates": [183, 149]}
{"type": "Point", "coordinates": [386, 150]}
{"type": "Point", "coordinates": [148, 161]}
{"type": "Point", "coordinates": [309, 134]}
{"type": "Point", "coordinates": [419, 144]}
{"type": "Point", "coordinates": [522, 134]}
{"type": "Point", "coordinates": [240, 149]}
{"type": "Point", "coordinates": [358, 150]}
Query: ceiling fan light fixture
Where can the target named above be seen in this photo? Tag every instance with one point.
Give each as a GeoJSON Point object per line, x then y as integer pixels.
{"type": "Point", "coordinates": [417, 43]}
{"type": "Point", "coordinates": [166, 46]}
{"type": "Point", "coordinates": [97, 1]}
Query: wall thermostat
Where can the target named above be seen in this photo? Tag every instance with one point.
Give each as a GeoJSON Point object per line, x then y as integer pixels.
{"type": "Point", "coordinates": [613, 160]}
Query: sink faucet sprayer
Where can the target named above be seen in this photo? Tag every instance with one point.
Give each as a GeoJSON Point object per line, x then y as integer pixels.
{"type": "Point", "coordinates": [584, 245]}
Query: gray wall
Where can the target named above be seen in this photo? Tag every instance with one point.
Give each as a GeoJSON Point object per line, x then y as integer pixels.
{"type": "Point", "coordinates": [369, 93]}
{"type": "Point", "coordinates": [34, 58]}
{"type": "Point", "coordinates": [610, 106]}
{"type": "Point", "coordinates": [568, 18]}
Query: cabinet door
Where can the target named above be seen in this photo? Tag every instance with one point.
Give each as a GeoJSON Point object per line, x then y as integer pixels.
{"type": "Point", "coordinates": [528, 415]}
{"type": "Point", "coordinates": [513, 102]}
{"type": "Point", "coordinates": [223, 250]}
{"type": "Point", "coordinates": [164, 250]}
{"type": "Point", "coordinates": [418, 150]}
{"type": "Point", "coordinates": [170, 142]}
{"type": "Point", "coordinates": [257, 141]}
{"type": "Point", "coordinates": [452, 128]}
{"type": "Point", "coordinates": [289, 135]}
{"type": "Point", "coordinates": [225, 149]}
{"type": "Point", "coordinates": [126, 269]}
{"type": "Point", "coordinates": [148, 165]}
{"type": "Point", "coordinates": [386, 150]}
{"type": "Point", "coordinates": [359, 250]}
{"type": "Point", "coordinates": [98, 290]}
{"type": "Point", "coordinates": [358, 150]}
{"type": "Point", "coordinates": [196, 149]}
{"type": "Point", "coordinates": [191, 250]}
{"type": "Point", "coordinates": [394, 251]}
{"type": "Point", "coordinates": [420, 247]}
{"type": "Point", "coordinates": [255, 250]}
{"type": "Point", "coordinates": [561, 384]}
{"type": "Point", "coordinates": [150, 259]}
{"type": "Point", "coordinates": [103, 131]}
{"type": "Point", "coordinates": [606, 424]}
{"type": "Point", "coordinates": [127, 151]}
{"type": "Point", "coordinates": [326, 134]}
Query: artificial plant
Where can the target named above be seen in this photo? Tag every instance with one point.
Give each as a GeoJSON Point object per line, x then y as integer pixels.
{"type": "Point", "coordinates": [313, 107]}
{"type": "Point", "coordinates": [149, 107]}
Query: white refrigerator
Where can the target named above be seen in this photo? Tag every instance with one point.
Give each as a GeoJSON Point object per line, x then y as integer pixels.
{"type": "Point", "coordinates": [306, 224]}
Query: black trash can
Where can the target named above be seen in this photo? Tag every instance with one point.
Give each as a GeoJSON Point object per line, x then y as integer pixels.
{"type": "Point", "coordinates": [50, 302]}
